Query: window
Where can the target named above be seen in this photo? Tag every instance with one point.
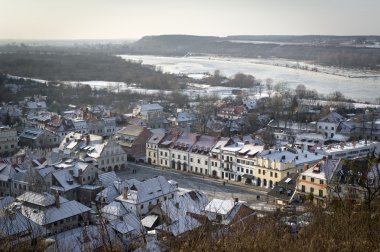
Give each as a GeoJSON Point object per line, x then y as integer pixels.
{"type": "Point", "coordinates": [259, 171]}
{"type": "Point", "coordinates": [312, 179]}
{"type": "Point", "coordinates": [246, 171]}
{"type": "Point", "coordinates": [275, 174]}
{"type": "Point", "coordinates": [303, 188]}
{"type": "Point", "coordinates": [142, 206]}
{"type": "Point", "coordinates": [198, 161]}
{"type": "Point", "coordinates": [320, 193]}
{"type": "Point", "coordinates": [172, 155]}
{"type": "Point", "coordinates": [206, 162]}
{"type": "Point", "coordinates": [238, 169]}
{"type": "Point", "coordinates": [191, 159]}
{"type": "Point", "coordinates": [303, 177]}
{"type": "Point", "coordinates": [321, 181]}
{"type": "Point", "coordinates": [263, 172]}
{"type": "Point", "coordinates": [179, 156]}
{"type": "Point", "coordinates": [311, 189]}
{"type": "Point", "coordinates": [250, 172]}
{"type": "Point", "coordinates": [271, 174]}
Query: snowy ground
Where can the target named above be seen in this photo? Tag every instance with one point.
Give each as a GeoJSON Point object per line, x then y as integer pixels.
{"type": "Point", "coordinates": [327, 81]}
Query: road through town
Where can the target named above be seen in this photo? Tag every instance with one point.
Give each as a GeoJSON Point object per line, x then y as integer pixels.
{"type": "Point", "coordinates": [214, 188]}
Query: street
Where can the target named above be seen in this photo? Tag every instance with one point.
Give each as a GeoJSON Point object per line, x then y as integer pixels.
{"type": "Point", "coordinates": [214, 188]}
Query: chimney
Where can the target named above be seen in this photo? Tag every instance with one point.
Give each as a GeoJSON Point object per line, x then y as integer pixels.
{"type": "Point", "coordinates": [125, 193]}
{"type": "Point", "coordinates": [236, 200]}
{"type": "Point", "coordinates": [56, 198]}
{"type": "Point", "coordinates": [306, 166]}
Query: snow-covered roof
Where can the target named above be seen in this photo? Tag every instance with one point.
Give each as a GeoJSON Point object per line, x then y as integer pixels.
{"type": "Point", "coordinates": [17, 225]}
{"type": "Point", "coordinates": [152, 106]}
{"type": "Point", "coordinates": [149, 221]}
{"type": "Point", "coordinates": [41, 199]}
{"type": "Point", "coordinates": [114, 208]}
{"type": "Point", "coordinates": [142, 191]}
{"type": "Point", "coordinates": [180, 226]}
{"type": "Point", "coordinates": [6, 201]}
{"type": "Point", "coordinates": [219, 206]}
{"type": "Point", "coordinates": [52, 214]}
{"type": "Point", "coordinates": [333, 117]}
{"type": "Point", "coordinates": [189, 202]}
{"type": "Point", "coordinates": [108, 178]}
{"type": "Point", "coordinates": [344, 147]}
{"type": "Point", "coordinates": [88, 238]}
{"type": "Point", "coordinates": [184, 117]}
{"type": "Point", "coordinates": [291, 155]}
{"type": "Point", "coordinates": [322, 170]}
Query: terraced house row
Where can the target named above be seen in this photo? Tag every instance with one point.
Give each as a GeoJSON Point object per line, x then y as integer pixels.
{"type": "Point", "coordinates": [237, 159]}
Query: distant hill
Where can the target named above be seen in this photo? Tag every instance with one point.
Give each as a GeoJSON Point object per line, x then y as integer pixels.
{"type": "Point", "coordinates": [342, 51]}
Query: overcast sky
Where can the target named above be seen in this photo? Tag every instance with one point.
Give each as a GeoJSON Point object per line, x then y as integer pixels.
{"type": "Point", "coordinates": [109, 19]}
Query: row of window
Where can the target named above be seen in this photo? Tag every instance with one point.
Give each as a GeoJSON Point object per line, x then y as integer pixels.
{"type": "Point", "coordinates": [247, 171]}
{"type": "Point", "coordinates": [107, 161]}
{"type": "Point", "coordinates": [241, 161]}
{"type": "Point", "coordinates": [6, 146]}
{"type": "Point", "coordinates": [313, 180]}
{"type": "Point", "coordinates": [320, 193]}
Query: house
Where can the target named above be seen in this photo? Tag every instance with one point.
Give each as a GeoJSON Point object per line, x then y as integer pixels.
{"type": "Point", "coordinates": [328, 125]}
{"type": "Point", "coordinates": [223, 158]}
{"type": "Point", "coordinates": [66, 177]}
{"type": "Point", "coordinates": [231, 112]}
{"type": "Point", "coordinates": [152, 114]}
{"type": "Point", "coordinates": [183, 120]}
{"type": "Point", "coordinates": [139, 197]}
{"type": "Point", "coordinates": [164, 157]}
{"type": "Point", "coordinates": [284, 191]}
{"type": "Point", "coordinates": [106, 155]}
{"type": "Point", "coordinates": [87, 238]}
{"type": "Point", "coordinates": [199, 155]}
{"type": "Point", "coordinates": [216, 157]}
{"type": "Point", "coordinates": [54, 213]}
{"type": "Point", "coordinates": [246, 161]}
{"type": "Point", "coordinates": [179, 151]}
{"type": "Point", "coordinates": [8, 140]}
{"type": "Point", "coordinates": [18, 230]}
{"type": "Point", "coordinates": [313, 182]}
{"type": "Point", "coordinates": [178, 227]}
{"type": "Point", "coordinates": [39, 138]}
{"type": "Point", "coordinates": [60, 126]}
{"type": "Point", "coordinates": [274, 165]}
{"type": "Point", "coordinates": [353, 178]}
{"type": "Point", "coordinates": [125, 224]}
{"type": "Point", "coordinates": [12, 179]}
{"type": "Point", "coordinates": [133, 140]}
{"type": "Point", "coordinates": [184, 203]}
{"type": "Point", "coordinates": [228, 212]}
{"type": "Point", "coordinates": [152, 151]}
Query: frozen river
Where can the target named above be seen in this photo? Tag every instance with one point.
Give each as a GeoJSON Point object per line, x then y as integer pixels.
{"type": "Point", "coordinates": [363, 89]}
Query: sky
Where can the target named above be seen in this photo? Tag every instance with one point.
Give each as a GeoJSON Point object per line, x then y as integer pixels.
{"type": "Point", "coordinates": [132, 19]}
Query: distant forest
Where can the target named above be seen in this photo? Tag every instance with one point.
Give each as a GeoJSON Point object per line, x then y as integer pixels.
{"type": "Point", "coordinates": [82, 66]}
{"type": "Point", "coordinates": [348, 52]}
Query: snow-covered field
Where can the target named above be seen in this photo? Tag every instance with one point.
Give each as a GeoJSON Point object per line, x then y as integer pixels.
{"type": "Point", "coordinates": [325, 81]}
